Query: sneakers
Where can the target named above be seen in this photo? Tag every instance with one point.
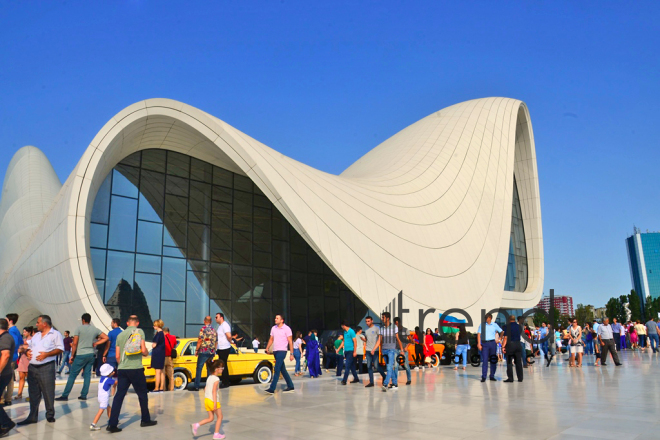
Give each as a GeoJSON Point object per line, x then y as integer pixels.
{"type": "Point", "coordinates": [384, 389]}
{"type": "Point", "coordinates": [61, 399]}
{"type": "Point", "coordinates": [269, 392]}
{"type": "Point", "coordinates": [408, 382]}
{"type": "Point", "coordinates": [287, 390]}
{"type": "Point", "coordinates": [218, 436]}
{"type": "Point", "coordinates": [416, 368]}
{"type": "Point", "coordinates": [194, 427]}
{"type": "Point", "coordinates": [149, 423]}
{"type": "Point", "coordinates": [369, 385]}
{"type": "Point", "coordinates": [393, 387]}
{"type": "Point", "coordinates": [93, 427]}
{"type": "Point", "coordinates": [343, 383]}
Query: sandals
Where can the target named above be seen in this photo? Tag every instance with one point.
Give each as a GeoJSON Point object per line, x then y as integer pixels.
{"type": "Point", "coordinates": [456, 368]}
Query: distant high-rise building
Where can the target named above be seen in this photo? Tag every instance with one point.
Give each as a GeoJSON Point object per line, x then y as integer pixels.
{"type": "Point", "coordinates": [562, 303]}
{"type": "Point", "coordinates": [644, 261]}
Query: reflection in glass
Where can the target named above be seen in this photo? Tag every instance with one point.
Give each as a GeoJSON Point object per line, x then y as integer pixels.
{"type": "Point", "coordinates": [174, 316]}
{"type": "Point", "coordinates": [98, 263]}
{"type": "Point", "coordinates": [178, 164]}
{"type": "Point", "coordinates": [125, 181]}
{"type": "Point", "coordinates": [119, 269]}
{"type": "Point", "coordinates": [101, 208]}
{"type": "Point", "coordinates": [147, 263]}
{"type": "Point", "coordinates": [197, 301]}
{"type": "Point", "coordinates": [516, 273]}
{"type": "Point", "coordinates": [123, 215]}
{"type": "Point", "coordinates": [152, 186]}
{"type": "Point", "coordinates": [98, 235]}
{"type": "Point", "coordinates": [174, 279]}
{"type": "Point", "coordinates": [149, 285]}
{"type": "Point", "coordinates": [150, 237]}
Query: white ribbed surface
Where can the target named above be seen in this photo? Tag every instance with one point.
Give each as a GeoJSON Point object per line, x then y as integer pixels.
{"type": "Point", "coordinates": [428, 211]}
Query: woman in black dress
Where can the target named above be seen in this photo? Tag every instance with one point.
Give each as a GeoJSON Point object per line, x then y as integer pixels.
{"type": "Point", "coordinates": [158, 355]}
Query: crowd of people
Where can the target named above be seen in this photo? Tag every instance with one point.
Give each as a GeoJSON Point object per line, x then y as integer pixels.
{"type": "Point", "coordinates": [41, 353]}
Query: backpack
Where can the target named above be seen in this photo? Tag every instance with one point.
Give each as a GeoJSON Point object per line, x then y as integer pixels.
{"type": "Point", "coordinates": [133, 344]}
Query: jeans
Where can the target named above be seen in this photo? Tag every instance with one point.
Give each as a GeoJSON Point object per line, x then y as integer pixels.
{"type": "Point", "coordinates": [617, 340]}
{"type": "Point", "coordinates": [340, 364]}
{"type": "Point", "coordinates": [126, 378]}
{"type": "Point", "coordinates": [462, 350]}
{"type": "Point", "coordinates": [406, 364]}
{"type": "Point", "coordinates": [589, 347]}
{"type": "Point", "coordinates": [280, 369]}
{"type": "Point", "coordinates": [84, 363]}
{"type": "Point", "coordinates": [296, 354]}
{"type": "Point", "coordinates": [350, 366]}
{"type": "Point", "coordinates": [392, 368]}
{"type": "Point", "coordinates": [256, 350]}
{"type": "Point", "coordinates": [642, 341]}
{"type": "Point", "coordinates": [653, 340]}
{"type": "Point", "coordinates": [4, 381]}
{"type": "Point", "coordinates": [372, 359]}
{"type": "Point", "coordinates": [488, 350]}
{"type": "Point", "coordinates": [623, 342]}
{"type": "Point", "coordinates": [65, 361]}
{"type": "Point", "coordinates": [201, 360]}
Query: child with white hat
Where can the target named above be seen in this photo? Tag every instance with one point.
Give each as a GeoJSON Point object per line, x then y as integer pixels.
{"type": "Point", "coordinates": [106, 384]}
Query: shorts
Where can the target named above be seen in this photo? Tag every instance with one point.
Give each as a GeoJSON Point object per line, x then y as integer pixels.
{"type": "Point", "coordinates": [576, 349]}
{"type": "Point", "coordinates": [103, 401]}
{"type": "Point", "coordinates": [208, 405]}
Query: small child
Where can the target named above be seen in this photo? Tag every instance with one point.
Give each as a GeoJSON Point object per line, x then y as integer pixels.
{"type": "Point", "coordinates": [211, 402]}
{"type": "Point", "coordinates": [499, 352]}
{"type": "Point", "coordinates": [107, 383]}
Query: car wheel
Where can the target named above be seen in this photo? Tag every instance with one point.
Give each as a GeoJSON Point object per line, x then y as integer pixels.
{"type": "Point", "coordinates": [180, 380]}
{"type": "Point", "coordinates": [475, 360]}
{"type": "Point", "coordinates": [435, 360]}
{"type": "Point", "coordinates": [263, 374]}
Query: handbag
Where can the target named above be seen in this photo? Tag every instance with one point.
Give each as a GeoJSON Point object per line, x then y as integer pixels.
{"type": "Point", "coordinates": [173, 353]}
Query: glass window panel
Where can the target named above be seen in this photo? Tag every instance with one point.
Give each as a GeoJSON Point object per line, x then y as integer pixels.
{"type": "Point", "coordinates": [262, 241]}
{"type": "Point", "coordinates": [150, 237]}
{"type": "Point", "coordinates": [198, 266]}
{"type": "Point", "coordinates": [201, 171]}
{"type": "Point", "coordinates": [281, 298]}
{"type": "Point", "coordinates": [262, 318]}
{"type": "Point", "coordinates": [299, 314]}
{"type": "Point", "coordinates": [98, 263]}
{"type": "Point", "coordinates": [100, 287]}
{"type": "Point", "coordinates": [280, 254]}
{"type": "Point", "coordinates": [262, 280]}
{"type": "Point", "coordinates": [261, 259]}
{"type": "Point", "coordinates": [257, 190]}
{"type": "Point", "coordinates": [146, 293]}
{"type": "Point", "coordinates": [220, 281]}
{"type": "Point", "coordinates": [281, 276]}
{"type": "Point", "coordinates": [315, 314]}
{"type": "Point", "coordinates": [361, 311]}
{"type": "Point", "coordinates": [174, 252]}
{"type": "Point", "coordinates": [173, 315]}
{"type": "Point", "coordinates": [147, 263]}
{"type": "Point", "coordinates": [176, 209]}
{"type": "Point", "coordinates": [197, 300]}
{"type": "Point", "coordinates": [223, 177]}
{"type": "Point", "coordinates": [298, 284]}
{"type": "Point", "coordinates": [314, 285]}
{"type": "Point", "coordinates": [346, 303]}
{"type": "Point", "coordinates": [222, 194]}
{"type": "Point", "coordinates": [221, 226]}
{"type": "Point", "coordinates": [152, 195]}
{"type": "Point", "coordinates": [123, 219]}
{"type": "Point", "coordinates": [178, 164]}
{"type": "Point", "coordinates": [298, 244]}
{"type": "Point", "coordinates": [280, 226]}
{"type": "Point", "coordinates": [243, 183]}
{"type": "Point", "coordinates": [192, 331]}
{"type": "Point", "coordinates": [221, 255]}
{"type": "Point", "coordinates": [262, 221]}
{"type": "Point", "coordinates": [132, 160]}
{"type": "Point", "coordinates": [241, 300]}
{"type": "Point", "coordinates": [221, 306]}
{"type": "Point", "coordinates": [125, 181]}
{"type": "Point", "coordinates": [101, 208]}
{"type": "Point", "coordinates": [199, 241]}
{"type": "Point", "coordinates": [242, 248]}
{"type": "Point", "coordinates": [299, 262]}
{"type": "Point", "coordinates": [262, 201]}
{"type": "Point", "coordinates": [332, 316]}
{"type": "Point", "coordinates": [98, 235]}
{"type": "Point", "coordinates": [154, 160]}
{"type": "Point", "coordinates": [314, 262]}
{"type": "Point", "coordinates": [331, 287]}
{"type": "Point", "coordinates": [200, 202]}
{"type": "Point", "coordinates": [174, 279]}
{"type": "Point", "coordinates": [118, 276]}
{"type": "Point", "coordinates": [242, 214]}
{"type": "Point", "coordinates": [177, 186]}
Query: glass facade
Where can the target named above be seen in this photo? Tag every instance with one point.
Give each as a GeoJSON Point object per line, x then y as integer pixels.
{"type": "Point", "coordinates": [651, 246]}
{"type": "Point", "coordinates": [175, 238]}
{"type": "Point", "coordinates": [516, 271]}
{"type": "Point", "coordinates": [644, 258]}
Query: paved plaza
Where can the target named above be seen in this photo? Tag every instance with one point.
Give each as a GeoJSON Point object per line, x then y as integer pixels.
{"type": "Point", "coordinates": [557, 403]}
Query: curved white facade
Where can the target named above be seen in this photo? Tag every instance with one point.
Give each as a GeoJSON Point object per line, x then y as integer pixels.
{"type": "Point", "coordinates": [427, 212]}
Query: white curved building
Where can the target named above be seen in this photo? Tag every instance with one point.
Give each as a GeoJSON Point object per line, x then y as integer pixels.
{"type": "Point", "coordinates": [173, 213]}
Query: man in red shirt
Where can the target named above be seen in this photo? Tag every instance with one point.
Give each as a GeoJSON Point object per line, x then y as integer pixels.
{"type": "Point", "coordinates": [170, 344]}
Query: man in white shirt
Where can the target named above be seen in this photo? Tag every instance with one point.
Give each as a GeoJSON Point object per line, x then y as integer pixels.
{"type": "Point", "coordinates": [255, 344]}
{"type": "Point", "coordinates": [224, 346]}
{"type": "Point", "coordinates": [46, 344]}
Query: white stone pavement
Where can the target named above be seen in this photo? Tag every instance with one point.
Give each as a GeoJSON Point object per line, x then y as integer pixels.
{"type": "Point", "coordinates": [556, 402]}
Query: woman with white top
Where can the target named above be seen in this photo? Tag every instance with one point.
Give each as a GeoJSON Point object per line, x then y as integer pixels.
{"type": "Point", "coordinates": [297, 343]}
{"type": "Point", "coordinates": [255, 344]}
{"type": "Point", "coordinates": [575, 332]}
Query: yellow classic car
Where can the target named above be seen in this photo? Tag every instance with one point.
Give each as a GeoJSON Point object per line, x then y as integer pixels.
{"type": "Point", "coordinates": [258, 366]}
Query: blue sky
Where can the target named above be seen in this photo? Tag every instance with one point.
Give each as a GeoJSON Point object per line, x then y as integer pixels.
{"type": "Point", "coordinates": [326, 83]}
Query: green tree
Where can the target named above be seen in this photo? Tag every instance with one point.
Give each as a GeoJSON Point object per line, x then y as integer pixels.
{"type": "Point", "coordinates": [584, 314]}
{"type": "Point", "coordinates": [635, 306]}
{"type": "Point", "coordinates": [652, 307]}
{"type": "Point", "coordinates": [613, 309]}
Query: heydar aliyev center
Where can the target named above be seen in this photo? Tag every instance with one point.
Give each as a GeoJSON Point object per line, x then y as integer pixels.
{"type": "Point", "coordinates": [172, 213]}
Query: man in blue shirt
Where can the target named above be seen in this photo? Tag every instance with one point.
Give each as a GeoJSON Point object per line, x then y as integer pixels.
{"type": "Point", "coordinates": [349, 349]}
{"type": "Point", "coordinates": [15, 333]}
{"type": "Point", "coordinates": [488, 347]}
{"type": "Point", "coordinates": [110, 348]}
